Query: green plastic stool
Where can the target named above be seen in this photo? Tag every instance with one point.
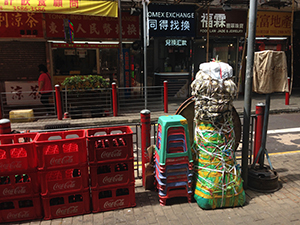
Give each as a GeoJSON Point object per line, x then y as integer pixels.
{"type": "Point", "coordinates": [174, 123]}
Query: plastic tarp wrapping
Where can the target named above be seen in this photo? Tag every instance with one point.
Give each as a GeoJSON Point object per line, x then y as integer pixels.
{"type": "Point", "coordinates": [217, 176]}
{"type": "Point", "coordinates": [270, 72]}
{"type": "Point", "coordinates": [217, 180]}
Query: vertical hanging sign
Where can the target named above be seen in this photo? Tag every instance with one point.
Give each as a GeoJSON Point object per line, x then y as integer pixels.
{"type": "Point", "coordinates": [127, 79]}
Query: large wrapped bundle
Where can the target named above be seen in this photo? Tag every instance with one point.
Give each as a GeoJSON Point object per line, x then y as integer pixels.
{"type": "Point", "coordinates": [217, 176]}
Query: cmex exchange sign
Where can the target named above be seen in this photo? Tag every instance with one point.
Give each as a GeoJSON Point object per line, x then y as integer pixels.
{"type": "Point", "coordinates": [171, 20]}
{"type": "Point", "coordinates": [222, 23]}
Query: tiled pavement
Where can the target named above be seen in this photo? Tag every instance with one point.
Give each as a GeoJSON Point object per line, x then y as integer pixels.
{"type": "Point", "coordinates": [281, 207]}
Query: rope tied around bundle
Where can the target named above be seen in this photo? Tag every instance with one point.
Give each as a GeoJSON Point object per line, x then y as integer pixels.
{"type": "Point", "coordinates": [217, 175]}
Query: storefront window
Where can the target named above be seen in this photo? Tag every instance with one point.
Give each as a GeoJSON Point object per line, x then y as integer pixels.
{"type": "Point", "coordinates": [108, 62]}
{"type": "Point", "coordinates": [175, 55]}
{"type": "Point", "coordinates": [69, 61]}
{"type": "Point", "coordinates": [225, 52]}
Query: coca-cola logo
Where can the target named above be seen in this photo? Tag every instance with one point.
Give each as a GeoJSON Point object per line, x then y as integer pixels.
{"type": "Point", "coordinates": [116, 178]}
{"type": "Point", "coordinates": [69, 184]}
{"type": "Point", "coordinates": [61, 161]}
{"type": "Point", "coordinates": [113, 154]}
{"type": "Point", "coordinates": [13, 165]}
{"type": "Point", "coordinates": [19, 215]}
{"type": "Point", "coordinates": [114, 204]}
{"type": "Point", "coordinates": [14, 191]}
{"type": "Point", "coordinates": [66, 211]}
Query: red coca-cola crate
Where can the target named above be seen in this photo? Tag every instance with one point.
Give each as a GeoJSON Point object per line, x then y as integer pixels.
{"type": "Point", "coordinates": [19, 184]}
{"type": "Point", "coordinates": [110, 144]}
{"type": "Point", "coordinates": [117, 173]}
{"type": "Point", "coordinates": [60, 149]}
{"type": "Point", "coordinates": [106, 199]}
{"type": "Point", "coordinates": [59, 181]}
{"type": "Point", "coordinates": [17, 152]}
{"type": "Point", "coordinates": [65, 205]}
{"type": "Point", "coordinates": [21, 208]}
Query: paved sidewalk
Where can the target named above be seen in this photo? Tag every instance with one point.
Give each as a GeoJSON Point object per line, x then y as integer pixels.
{"type": "Point", "coordinates": [281, 207]}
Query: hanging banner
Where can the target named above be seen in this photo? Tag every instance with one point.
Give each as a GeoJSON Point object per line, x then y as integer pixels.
{"type": "Point", "coordinates": [273, 23]}
{"type": "Point", "coordinates": [126, 55]}
{"type": "Point", "coordinates": [82, 7]}
{"type": "Point", "coordinates": [24, 25]}
{"type": "Point", "coordinates": [171, 20]}
{"type": "Point", "coordinates": [222, 23]}
{"type": "Point", "coordinates": [93, 27]}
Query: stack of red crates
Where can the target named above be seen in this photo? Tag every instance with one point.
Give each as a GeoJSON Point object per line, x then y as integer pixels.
{"type": "Point", "coordinates": [63, 173]}
{"type": "Point", "coordinates": [111, 168]}
{"type": "Point", "coordinates": [19, 188]}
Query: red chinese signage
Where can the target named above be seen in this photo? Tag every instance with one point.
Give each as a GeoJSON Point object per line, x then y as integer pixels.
{"type": "Point", "coordinates": [93, 27]}
{"type": "Point", "coordinates": [18, 24]}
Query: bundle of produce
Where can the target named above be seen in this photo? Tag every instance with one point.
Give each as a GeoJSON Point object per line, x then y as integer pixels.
{"type": "Point", "coordinates": [217, 176]}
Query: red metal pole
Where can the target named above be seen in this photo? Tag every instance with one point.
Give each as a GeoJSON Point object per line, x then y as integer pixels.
{"type": "Point", "coordinates": [58, 102]}
{"type": "Point", "coordinates": [287, 94]}
{"type": "Point", "coordinates": [114, 99]}
{"type": "Point", "coordinates": [145, 139]}
{"type": "Point", "coordinates": [260, 112]}
{"type": "Point", "coordinates": [5, 129]}
{"type": "Point", "coordinates": [166, 96]}
{"type": "Point", "coordinates": [5, 126]}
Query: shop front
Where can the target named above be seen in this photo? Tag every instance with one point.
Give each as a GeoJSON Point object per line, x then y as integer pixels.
{"type": "Point", "coordinates": [273, 31]}
{"type": "Point", "coordinates": [30, 39]}
{"type": "Point", "coordinates": [226, 31]}
{"type": "Point", "coordinates": [171, 30]}
{"type": "Point", "coordinates": [95, 50]}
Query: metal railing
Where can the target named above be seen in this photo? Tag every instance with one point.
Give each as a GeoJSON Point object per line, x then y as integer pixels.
{"type": "Point", "coordinates": [86, 103]}
{"type": "Point", "coordinates": [11, 101]}
{"type": "Point", "coordinates": [133, 99]}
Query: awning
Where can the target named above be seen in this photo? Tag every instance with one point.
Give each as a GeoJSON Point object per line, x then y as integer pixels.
{"type": "Point", "coordinates": [82, 7]}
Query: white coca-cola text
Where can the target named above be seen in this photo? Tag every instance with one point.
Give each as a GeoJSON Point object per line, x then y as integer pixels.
{"type": "Point", "coordinates": [67, 211]}
{"type": "Point", "coordinates": [14, 191]}
{"type": "Point", "coordinates": [69, 184]}
{"type": "Point", "coordinates": [13, 165]}
{"type": "Point", "coordinates": [114, 204]}
{"type": "Point", "coordinates": [18, 215]}
{"type": "Point", "coordinates": [116, 178]}
{"type": "Point", "coordinates": [113, 154]}
{"type": "Point", "coordinates": [61, 161]}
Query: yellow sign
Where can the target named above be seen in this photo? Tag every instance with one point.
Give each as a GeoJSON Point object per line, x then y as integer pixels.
{"type": "Point", "coordinates": [273, 23]}
{"type": "Point", "coordinates": [82, 7]}
{"type": "Point", "coordinates": [58, 80]}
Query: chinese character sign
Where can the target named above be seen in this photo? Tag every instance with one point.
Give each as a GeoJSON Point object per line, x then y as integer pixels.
{"type": "Point", "coordinates": [273, 23]}
{"type": "Point", "coordinates": [222, 23]}
{"type": "Point", "coordinates": [21, 24]}
{"type": "Point", "coordinates": [83, 7]}
{"type": "Point", "coordinates": [93, 26]}
{"type": "Point", "coordinates": [171, 20]}
{"type": "Point", "coordinates": [22, 93]}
